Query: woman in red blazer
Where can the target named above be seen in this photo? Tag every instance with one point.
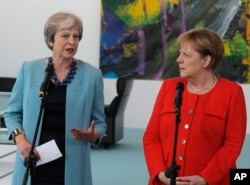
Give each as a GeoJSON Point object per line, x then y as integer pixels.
{"type": "Point", "coordinates": [212, 116]}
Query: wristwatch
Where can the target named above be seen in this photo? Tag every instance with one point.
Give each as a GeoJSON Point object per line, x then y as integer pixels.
{"type": "Point", "coordinates": [16, 132]}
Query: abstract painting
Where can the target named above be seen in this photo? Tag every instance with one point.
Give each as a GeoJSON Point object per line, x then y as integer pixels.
{"type": "Point", "coordinates": [139, 36]}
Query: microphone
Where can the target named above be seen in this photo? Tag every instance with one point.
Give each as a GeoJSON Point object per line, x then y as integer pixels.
{"type": "Point", "coordinates": [178, 97]}
{"type": "Point", "coordinates": [46, 81]}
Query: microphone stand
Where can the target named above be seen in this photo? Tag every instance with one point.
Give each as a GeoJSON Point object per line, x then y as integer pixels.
{"type": "Point", "coordinates": [30, 161]}
{"type": "Point", "coordinates": [172, 171]}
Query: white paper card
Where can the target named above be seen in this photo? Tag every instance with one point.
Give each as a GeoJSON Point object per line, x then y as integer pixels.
{"type": "Point", "coordinates": [48, 152]}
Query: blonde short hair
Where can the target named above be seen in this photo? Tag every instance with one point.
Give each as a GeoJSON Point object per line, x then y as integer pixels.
{"type": "Point", "coordinates": [206, 42]}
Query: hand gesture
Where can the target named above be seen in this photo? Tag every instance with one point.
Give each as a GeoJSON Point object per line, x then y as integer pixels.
{"type": "Point", "coordinates": [87, 135]}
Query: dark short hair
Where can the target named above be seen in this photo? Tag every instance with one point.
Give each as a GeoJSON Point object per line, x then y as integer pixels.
{"type": "Point", "coordinates": [206, 42]}
{"type": "Point", "coordinates": [60, 21]}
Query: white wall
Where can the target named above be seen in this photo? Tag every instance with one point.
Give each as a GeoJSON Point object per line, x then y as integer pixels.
{"type": "Point", "coordinates": [22, 23]}
{"type": "Point", "coordinates": [21, 39]}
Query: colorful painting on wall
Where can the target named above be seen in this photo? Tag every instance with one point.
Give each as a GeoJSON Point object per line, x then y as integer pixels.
{"type": "Point", "coordinates": [139, 36]}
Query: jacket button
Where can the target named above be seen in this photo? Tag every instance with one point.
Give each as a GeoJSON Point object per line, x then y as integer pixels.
{"type": "Point", "coordinates": [181, 157]}
{"type": "Point", "coordinates": [190, 111]}
{"type": "Point", "coordinates": [183, 141]}
{"type": "Point", "coordinates": [186, 126]}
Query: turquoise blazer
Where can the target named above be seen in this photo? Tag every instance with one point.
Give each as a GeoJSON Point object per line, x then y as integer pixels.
{"type": "Point", "coordinates": [84, 103]}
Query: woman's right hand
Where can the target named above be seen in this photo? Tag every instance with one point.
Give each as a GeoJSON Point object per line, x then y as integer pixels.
{"type": "Point", "coordinates": [24, 146]}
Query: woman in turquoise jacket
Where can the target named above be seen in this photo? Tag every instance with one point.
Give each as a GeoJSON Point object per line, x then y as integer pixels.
{"type": "Point", "coordinates": [73, 114]}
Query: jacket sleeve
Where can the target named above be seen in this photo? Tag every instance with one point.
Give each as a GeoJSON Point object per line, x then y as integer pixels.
{"type": "Point", "coordinates": [152, 142]}
{"type": "Point", "coordinates": [13, 114]}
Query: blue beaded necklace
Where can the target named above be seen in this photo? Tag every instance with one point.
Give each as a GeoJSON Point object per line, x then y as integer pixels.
{"type": "Point", "coordinates": [69, 76]}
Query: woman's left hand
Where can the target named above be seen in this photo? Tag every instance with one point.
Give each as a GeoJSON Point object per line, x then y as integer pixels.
{"type": "Point", "coordinates": [87, 135]}
{"type": "Point", "coordinates": [193, 180]}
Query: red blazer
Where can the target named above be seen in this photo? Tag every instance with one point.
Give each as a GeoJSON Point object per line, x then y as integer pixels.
{"type": "Point", "coordinates": [210, 135]}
